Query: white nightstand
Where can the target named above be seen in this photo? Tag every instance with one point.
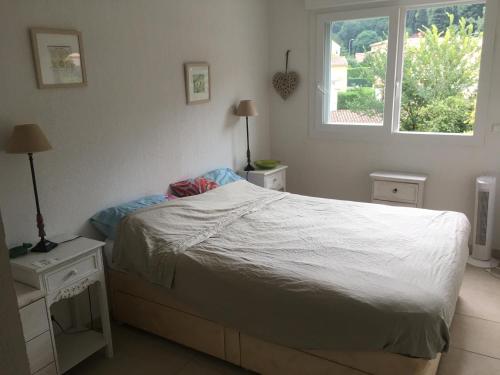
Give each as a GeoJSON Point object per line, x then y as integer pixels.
{"type": "Point", "coordinates": [35, 321]}
{"type": "Point", "coordinates": [63, 273]}
{"type": "Point", "coordinates": [398, 189]}
{"type": "Point", "coordinates": [274, 179]}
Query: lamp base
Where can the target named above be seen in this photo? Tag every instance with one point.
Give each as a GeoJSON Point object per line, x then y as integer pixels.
{"type": "Point", "coordinates": [44, 246]}
{"type": "Point", "coordinates": [249, 168]}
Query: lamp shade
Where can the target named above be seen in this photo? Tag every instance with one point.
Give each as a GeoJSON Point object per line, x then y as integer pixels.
{"type": "Point", "coordinates": [26, 139]}
{"type": "Point", "coordinates": [247, 108]}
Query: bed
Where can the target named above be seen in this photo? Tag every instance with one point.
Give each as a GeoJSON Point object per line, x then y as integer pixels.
{"type": "Point", "coordinates": [280, 283]}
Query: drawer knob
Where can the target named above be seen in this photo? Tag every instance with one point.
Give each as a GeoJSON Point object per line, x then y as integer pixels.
{"type": "Point", "coordinates": [73, 272]}
{"type": "Point", "coordinates": [395, 190]}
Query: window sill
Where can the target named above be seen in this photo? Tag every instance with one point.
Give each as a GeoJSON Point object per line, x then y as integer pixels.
{"type": "Point", "coordinates": [440, 138]}
{"type": "Point", "coordinates": [381, 134]}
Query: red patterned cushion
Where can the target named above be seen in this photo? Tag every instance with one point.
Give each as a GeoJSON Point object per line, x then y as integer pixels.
{"type": "Point", "coordinates": [190, 187]}
{"type": "Point", "coordinates": [204, 184]}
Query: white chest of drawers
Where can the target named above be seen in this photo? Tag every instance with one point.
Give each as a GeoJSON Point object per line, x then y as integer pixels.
{"type": "Point", "coordinates": [36, 330]}
{"type": "Point", "coordinates": [398, 189]}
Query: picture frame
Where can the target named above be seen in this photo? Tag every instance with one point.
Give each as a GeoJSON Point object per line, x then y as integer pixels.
{"type": "Point", "coordinates": [198, 85]}
{"type": "Point", "coordinates": [58, 57]}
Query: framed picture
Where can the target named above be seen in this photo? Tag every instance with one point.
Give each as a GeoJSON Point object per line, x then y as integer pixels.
{"type": "Point", "coordinates": [197, 82]}
{"type": "Point", "coordinates": [58, 58]}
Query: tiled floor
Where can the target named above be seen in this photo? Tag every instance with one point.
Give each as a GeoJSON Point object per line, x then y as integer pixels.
{"type": "Point", "coordinates": [138, 352]}
{"type": "Point", "coordinates": [475, 344]}
{"type": "Point", "coordinates": [475, 332]}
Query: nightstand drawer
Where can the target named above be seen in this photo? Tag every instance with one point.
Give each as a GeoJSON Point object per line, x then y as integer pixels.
{"type": "Point", "coordinates": [34, 319]}
{"type": "Point", "coordinates": [71, 273]}
{"type": "Point", "coordinates": [275, 181]}
{"type": "Point", "coordinates": [40, 352]}
{"type": "Point", "coordinates": [395, 191]}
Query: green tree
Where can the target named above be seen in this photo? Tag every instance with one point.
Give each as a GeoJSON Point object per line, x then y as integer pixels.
{"type": "Point", "coordinates": [440, 78]}
{"type": "Point", "coordinates": [473, 14]}
{"type": "Point", "coordinates": [421, 19]}
{"type": "Point", "coordinates": [360, 100]}
{"type": "Point", "coordinates": [411, 21]}
{"type": "Point", "coordinates": [362, 42]}
{"type": "Point", "coordinates": [345, 32]}
{"type": "Point", "coordinates": [443, 66]}
{"type": "Point", "coordinates": [439, 17]}
{"type": "Point", "coordinates": [454, 114]}
{"type": "Point", "coordinates": [473, 11]}
{"type": "Point", "coordinates": [348, 32]}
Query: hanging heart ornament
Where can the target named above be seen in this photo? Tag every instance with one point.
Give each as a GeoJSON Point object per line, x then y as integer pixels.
{"type": "Point", "coordinates": [285, 83]}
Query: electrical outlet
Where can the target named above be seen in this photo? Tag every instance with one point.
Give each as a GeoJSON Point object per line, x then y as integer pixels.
{"type": "Point", "coordinates": [495, 127]}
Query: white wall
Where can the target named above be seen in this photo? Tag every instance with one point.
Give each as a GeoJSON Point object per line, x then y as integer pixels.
{"type": "Point", "coordinates": [339, 169]}
{"type": "Point", "coordinates": [129, 133]}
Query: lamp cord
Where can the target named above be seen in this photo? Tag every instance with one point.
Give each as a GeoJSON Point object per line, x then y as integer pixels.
{"type": "Point", "coordinates": [65, 331]}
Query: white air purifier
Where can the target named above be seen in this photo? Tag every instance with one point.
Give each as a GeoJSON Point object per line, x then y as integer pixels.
{"type": "Point", "coordinates": [482, 232]}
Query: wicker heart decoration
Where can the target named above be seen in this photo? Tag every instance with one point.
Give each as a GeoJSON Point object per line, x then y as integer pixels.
{"type": "Point", "coordinates": [285, 83]}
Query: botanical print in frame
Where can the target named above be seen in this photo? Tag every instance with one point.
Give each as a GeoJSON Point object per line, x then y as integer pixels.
{"type": "Point", "coordinates": [197, 77]}
{"type": "Point", "coordinates": [58, 57]}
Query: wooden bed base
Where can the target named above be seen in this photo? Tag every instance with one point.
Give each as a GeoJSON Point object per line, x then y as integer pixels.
{"type": "Point", "coordinates": [150, 307]}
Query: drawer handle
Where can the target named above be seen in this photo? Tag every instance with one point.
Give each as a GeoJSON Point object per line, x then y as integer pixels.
{"type": "Point", "coordinates": [395, 190]}
{"type": "Point", "coordinates": [73, 272]}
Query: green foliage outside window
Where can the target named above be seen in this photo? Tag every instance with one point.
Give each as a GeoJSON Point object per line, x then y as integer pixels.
{"type": "Point", "coordinates": [360, 100]}
{"type": "Point", "coordinates": [440, 78]}
{"type": "Point", "coordinates": [346, 32]}
{"type": "Point", "coordinates": [359, 77]}
{"type": "Point", "coordinates": [363, 41]}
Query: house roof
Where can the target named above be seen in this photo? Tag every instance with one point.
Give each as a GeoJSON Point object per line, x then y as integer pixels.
{"type": "Point", "coordinates": [339, 61]}
{"type": "Point", "coordinates": [345, 116]}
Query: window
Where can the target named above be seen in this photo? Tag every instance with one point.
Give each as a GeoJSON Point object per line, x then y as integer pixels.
{"type": "Point", "coordinates": [441, 59]}
{"type": "Point", "coordinates": [357, 71]}
{"type": "Point", "coordinates": [407, 69]}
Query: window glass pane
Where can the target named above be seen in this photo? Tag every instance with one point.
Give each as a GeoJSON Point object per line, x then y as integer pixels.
{"type": "Point", "coordinates": [357, 71]}
{"type": "Point", "coordinates": [442, 53]}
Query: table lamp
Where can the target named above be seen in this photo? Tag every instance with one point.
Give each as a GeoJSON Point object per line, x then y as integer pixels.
{"type": "Point", "coordinates": [29, 139]}
{"type": "Point", "coordinates": [247, 108]}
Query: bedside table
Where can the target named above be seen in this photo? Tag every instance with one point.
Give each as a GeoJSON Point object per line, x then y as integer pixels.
{"type": "Point", "coordinates": [398, 189]}
{"type": "Point", "coordinates": [274, 179]}
{"type": "Point", "coordinates": [63, 273]}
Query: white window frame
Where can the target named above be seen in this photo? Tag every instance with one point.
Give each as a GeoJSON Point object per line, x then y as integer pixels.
{"type": "Point", "coordinates": [320, 47]}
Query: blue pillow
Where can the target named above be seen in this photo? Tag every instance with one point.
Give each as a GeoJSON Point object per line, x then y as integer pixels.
{"type": "Point", "coordinates": [222, 176]}
{"type": "Point", "coordinates": [107, 220]}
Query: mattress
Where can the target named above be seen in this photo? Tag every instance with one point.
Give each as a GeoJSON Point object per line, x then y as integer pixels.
{"type": "Point", "coordinates": [305, 272]}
